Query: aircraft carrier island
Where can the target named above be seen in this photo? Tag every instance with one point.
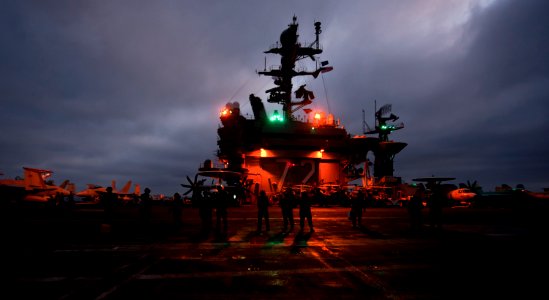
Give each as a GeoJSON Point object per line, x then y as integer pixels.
{"type": "Point", "coordinates": [278, 150]}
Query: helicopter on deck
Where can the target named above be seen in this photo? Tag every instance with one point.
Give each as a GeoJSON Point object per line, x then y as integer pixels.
{"type": "Point", "coordinates": [234, 182]}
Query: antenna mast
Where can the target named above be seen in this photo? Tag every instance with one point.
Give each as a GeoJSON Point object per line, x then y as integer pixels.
{"type": "Point", "coordinates": [363, 121]}
{"type": "Point", "coordinates": [375, 110]}
{"type": "Point", "coordinates": [292, 51]}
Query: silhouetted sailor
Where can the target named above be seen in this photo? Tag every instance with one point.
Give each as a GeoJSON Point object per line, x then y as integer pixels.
{"type": "Point", "coordinates": [263, 211]}
{"type": "Point", "coordinates": [436, 203]}
{"type": "Point", "coordinates": [107, 201]}
{"type": "Point", "coordinates": [146, 206]}
{"type": "Point", "coordinates": [305, 212]}
{"type": "Point", "coordinates": [177, 209]}
{"type": "Point", "coordinates": [415, 207]}
{"type": "Point", "coordinates": [287, 204]}
{"type": "Point", "coordinates": [205, 208]}
{"type": "Point", "coordinates": [221, 203]}
{"type": "Point", "coordinates": [357, 203]}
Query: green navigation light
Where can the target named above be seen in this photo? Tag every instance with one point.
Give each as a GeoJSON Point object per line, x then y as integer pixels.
{"type": "Point", "coordinates": [276, 117]}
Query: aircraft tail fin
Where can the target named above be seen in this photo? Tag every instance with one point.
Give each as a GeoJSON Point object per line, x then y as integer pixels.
{"type": "Point", "coordinates": [35, 178]}
{"type": "Point", "coordinates": [64, 184]}
{"type": "Point", "coordinates": [126, 187]}
{"type": "Point", "coordinates": [137, 189]}
{"type": "Point", "coordinates": [71, 187]}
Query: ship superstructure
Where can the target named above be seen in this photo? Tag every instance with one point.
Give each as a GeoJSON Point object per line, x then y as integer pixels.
{"type": "Point", "coordinates": [275, 150]}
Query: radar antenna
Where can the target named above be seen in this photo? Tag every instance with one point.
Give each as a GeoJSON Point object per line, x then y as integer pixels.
{"type": "Point", "coordinates": [382, 127]}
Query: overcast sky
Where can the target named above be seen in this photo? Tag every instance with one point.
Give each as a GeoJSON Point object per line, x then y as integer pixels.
{"type": "Point", "coordinates": [131, 90]}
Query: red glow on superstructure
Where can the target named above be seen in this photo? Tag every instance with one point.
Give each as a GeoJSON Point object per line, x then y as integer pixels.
{"type": "Point", "coordinates": [319, 153]}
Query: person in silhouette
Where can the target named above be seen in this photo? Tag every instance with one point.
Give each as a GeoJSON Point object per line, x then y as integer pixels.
{"type": "Point", "coordinates": [357, 203]}
{"type": "Point", "coordinates": [205, 208]}
{"type": "Point", "coordinates": [305, 212]}
{"type": "Point", "coordinates": [262, 211]}
{"type": "Point", "coordinates": [415, 207]}
{"type": "Point", "coordinates": [221, 200]}
{"type": "Point", "coordinates": [145, 202]}
{"type": "Point", "coordinates": [287, 203]}
{"type": "Point", "coordinates": [107, 201]}
{"type": "Point", "coordinates": [436, 203]}
{"type": "Point", "coordinates": [177, 209]}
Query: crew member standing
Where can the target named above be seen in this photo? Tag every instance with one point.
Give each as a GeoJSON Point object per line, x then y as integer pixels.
{"type": "Point", "coordinates": [205, 207]}
{"type": "Point", "coordinates": [305, 212]}
{"type": "Point", "coordinates": [436, 203]}
{"type": "Point", "coordinates": [177, 209]}
{"type": "Point", "coordinates": [287, 203]}
{"type": "Point", "coordinates": [262, 211]}
{"type": "Point", "coordinates": [146, 206]}
{"type": "Point", "coordinates": [414, 209]}
{"type": "Point", "coordinates": [356, 209]}
{"type": "Point", "coordinates": [107, 201]}
{"type": "Point", "coordinates": [221, 203]}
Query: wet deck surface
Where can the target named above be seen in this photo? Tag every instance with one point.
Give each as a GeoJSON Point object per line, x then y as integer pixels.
{"type": "Point", "coordinates": [479, 253]}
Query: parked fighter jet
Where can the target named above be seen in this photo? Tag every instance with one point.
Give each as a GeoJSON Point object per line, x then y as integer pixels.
{"type": "Point", "coordinates": [128, 196]}
{"type": "Point", "coordinates": [93, 192]}
{"type": "Point", "coordinates": [32, 187]}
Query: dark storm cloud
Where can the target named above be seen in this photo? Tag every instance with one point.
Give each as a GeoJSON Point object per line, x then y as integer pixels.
{"type": "Point", "coordinates": [102, 90]}
{"type": "Point", "coordinates": [471, 90]}
{"type": "Point", "coordinates": [502, 82]}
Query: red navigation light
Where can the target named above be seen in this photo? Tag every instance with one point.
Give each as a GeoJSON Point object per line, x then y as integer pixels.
{"type": "Point", "coordinates": [225, 112]}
